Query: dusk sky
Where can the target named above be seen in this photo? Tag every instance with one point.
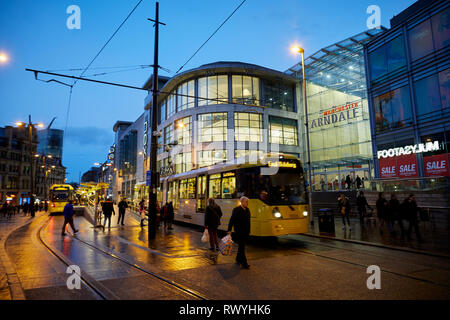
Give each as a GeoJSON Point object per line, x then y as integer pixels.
{"type": "Point", "coordinates": [33, 33]}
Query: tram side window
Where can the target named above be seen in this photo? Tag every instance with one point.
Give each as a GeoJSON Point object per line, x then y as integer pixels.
{"type": "Point", "coordinates": [201, 193]}
{"type": "Point", "coordinates": [229, 186]}
{"type": "Point", "coordinates": [183, 191]}
{"type": "Point", "coordinates": [175, 194]}
{"type": "Point", "coordinates": [191, 188]}
{"type": "Point", "coordinates": [215, 186]}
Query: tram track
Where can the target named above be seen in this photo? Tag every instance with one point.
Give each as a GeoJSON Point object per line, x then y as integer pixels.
{"type": "Point", "coordinates": [183, 289]}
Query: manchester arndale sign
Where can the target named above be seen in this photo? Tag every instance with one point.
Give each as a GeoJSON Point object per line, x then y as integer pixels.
{"type": "Point", "coordinates": [337, 114]}
{"type": "Point", "coordinates": [412, 149]}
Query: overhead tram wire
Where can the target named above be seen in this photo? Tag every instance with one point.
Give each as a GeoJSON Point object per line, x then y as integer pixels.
{"type": "Point", "coordinates": [96, 56]}
{"type": "Point", "coordinates": [211, 36]}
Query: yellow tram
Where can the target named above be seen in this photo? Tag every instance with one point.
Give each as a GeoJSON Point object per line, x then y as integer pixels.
{"type": "Point", "coordinates": [59, 196]}
{"type": "Point", "coordinates": [274, 185]}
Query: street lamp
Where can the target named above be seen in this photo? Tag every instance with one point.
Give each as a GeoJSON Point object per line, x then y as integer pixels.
{"type": "Point", "coordinates": [30, 127]}
{"type": "Point", "coordinates": [297, 49]}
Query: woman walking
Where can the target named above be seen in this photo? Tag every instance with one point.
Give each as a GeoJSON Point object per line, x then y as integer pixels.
{"type": "Point", "coordinates": [142, 211]}
{"type": "Point", "coordinates": [212, 222]}
{"type": "Point", "coordinates": [344, 208]}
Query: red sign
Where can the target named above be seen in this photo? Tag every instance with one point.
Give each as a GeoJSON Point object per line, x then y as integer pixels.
{"type": "Point", "coordinates": [388, 168]}
{"type": "Point", "coordinates": [399, 167]}
{"type": "Point", "coordinates": [407, 166]}
{"type": "Point", "coordinates": [436, 165]}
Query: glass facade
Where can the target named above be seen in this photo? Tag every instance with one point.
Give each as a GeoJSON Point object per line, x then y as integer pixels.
{"type": "Point", "coordinates": [50, 142]}
{"type": "Point", "coordinates": [215, 88]}
{"type": "Point", "coordinates": [279, 96]}
{"type": "Point", "coordinates": [186, 96]}
{"type": "Point", "coordinates": [388, 58]}
{"type": "Point", "coordinates": [245, 90]}
{"type": "Point", "coordinates": [211, 157]}
{"type": "Point", "coordinates": [407, 116]}
{"type": "Point", "coordinates": [248, 127]}
{"type": "Point", "coordinates": [212, 127]}
{"type": "Point", "coordinates": [183, 130]}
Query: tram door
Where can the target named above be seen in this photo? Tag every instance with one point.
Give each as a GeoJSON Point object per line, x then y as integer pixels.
{"type": "Point", "coordinates": [201, 193]}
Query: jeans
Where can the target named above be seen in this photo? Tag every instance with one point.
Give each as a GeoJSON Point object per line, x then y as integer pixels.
{"type": "Point", "coordinates": [109, 221]}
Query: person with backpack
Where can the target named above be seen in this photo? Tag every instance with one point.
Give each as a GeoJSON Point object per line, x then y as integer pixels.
{"type": "Point", "coordinates": [344, 207]}
{"type": "Point", "coordinates": [123, 205]}
{"type": "Point", "coordinates": [213, 214]}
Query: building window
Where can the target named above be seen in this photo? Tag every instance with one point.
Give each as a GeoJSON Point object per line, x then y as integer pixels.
{"type": "Point", "coordinates": [183, 162]}
{"type": "Point", "coordinates": [168, 135]}
{"type": "Point", "coordinates": [162, 112]}
{"type": "Point", "coordinates": [392, 109]}
{"type": "Point", "coordinates": [279, 96]}
{"type": "Point", "coordinates": [214, 88]}
{"type": "Point", "coordinates": [248, 127]}
{"type": "Point", "coordinates": [186, 89]}
{"type": "Point", "coordinates": [170, 105]}
{"type": "Point", "coordinates": [441, 26]}
{"type": "Point", "coordinates": [444, 85]}
{"type": "Point", "coordinates": [428, 99]}
{"type": "Point", "coordinates": [211, 157]}
{"type": "Point", "coordinates": [420, 40]}
{"type": "Point", "coordinates": [215, 186]}
{"type": "Point", "coordinates": [212, 127]}
{"type": "Point", "coordinates": [252, 155]}
{"type": "Point", "coordinates": [387, 58]}
{"type": "Point", "coordinates": [245, 90]}
{"type": "Point", "coordinates": [283, 131]}
{"type": "Point", "coordinates": [183, 129]}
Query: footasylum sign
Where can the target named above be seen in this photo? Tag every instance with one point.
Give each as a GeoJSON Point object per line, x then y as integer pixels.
{"type": "Point", "coordinates": [407, 150]}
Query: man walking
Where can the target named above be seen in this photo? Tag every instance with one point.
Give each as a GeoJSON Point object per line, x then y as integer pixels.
{"type": "Point", "coordinates": [108, 210]}
{"type": "Point", "coordinates": [123, 205]}
{"type": "Point", "coordinates": [240, 220]}
{"type": "Point", "coordinates": [68, 218]}
{"type": "Point", "coordinates": [410, 209]}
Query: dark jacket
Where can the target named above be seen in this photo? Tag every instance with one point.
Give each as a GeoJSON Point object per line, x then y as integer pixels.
{"type": "Point", "coordinates": [108, 208]}
{"type": "Point", "coordinates": [361, 203]}
{"type": "Point", "coordinates": [382, 208]}
{"type": "Point", "coordinates": [68, 211]}
{"type": "Point", "coordinates": [170, 211]}
{"type": "Point", "coordinates": [410, 210]}
{"type": "Point", "coordinates": [212, 217]}
{"type": "Point", "coordinates": [346, 204]}
{"type": "Point", "coordinates": [122, 206]}
{"type": "Point", "coordinates": [240, 220]}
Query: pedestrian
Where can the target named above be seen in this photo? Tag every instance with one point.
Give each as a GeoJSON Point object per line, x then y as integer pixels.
{"type": "Point", "coordinates": [68, 218]}
{"type": "Point", "coordinates": [344, 208]}
{"type": "Point", "coordinates": [123, 205]}
{"type": "Point", "coordinates": [382, 208]}
{"type": "Point", "coordinates": [170, 215]}
{"type": "Point", "coordinates": [108, 210]}
{"type": "Point", "coordinates": [410, 210]}
{"type": "Point", "coordinates": [396, 213]}
{"type": "Point", "coordinates": [142, 211]}
{"type": "Point", "coordinates": [358, 182]}
{"type": "Point", "coordinates": [165, 214]}
{"type": "Point", "coordinates": [213, 214]}
{"type": "Point", "coordinates": [240, 220]}
{"type": "Point", "coordinates": [348, 181]}
{"type": "Point", "coordinates": [361, 204]}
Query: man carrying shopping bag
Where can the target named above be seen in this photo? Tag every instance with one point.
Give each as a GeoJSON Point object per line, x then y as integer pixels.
{"type": "Point", "coordinates": [240, 220]}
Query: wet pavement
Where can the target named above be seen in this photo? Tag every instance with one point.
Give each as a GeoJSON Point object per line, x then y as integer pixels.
{"type": "Point", "coordinates": [436, 234]}
{"type": "Point", "coordinates": [288, 268]}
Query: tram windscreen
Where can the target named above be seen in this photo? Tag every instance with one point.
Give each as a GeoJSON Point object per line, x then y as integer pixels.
{"type": "Point", "coordinates": [287, 187]}
{"type": "Point", "coordinates": [60, 196]}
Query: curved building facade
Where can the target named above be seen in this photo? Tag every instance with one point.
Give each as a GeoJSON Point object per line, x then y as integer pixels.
{"type": "Point", "coordinates": [223, 111]}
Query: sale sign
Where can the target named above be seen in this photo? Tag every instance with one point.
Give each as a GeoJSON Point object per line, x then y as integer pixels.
{"type": "Point", "coordinates": [388, 168]}
{"type": "Point", "coordinates": [436, 165]}
{"type": "Point", "coordinates": [407, 166]}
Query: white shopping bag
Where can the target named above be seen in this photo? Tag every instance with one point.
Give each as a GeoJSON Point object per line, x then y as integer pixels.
{"type": "Point", "coordinates": [226, 246]}
{"type": "Point", "coordinates": [205, 236]}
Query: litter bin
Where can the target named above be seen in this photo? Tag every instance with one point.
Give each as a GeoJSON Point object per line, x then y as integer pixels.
{"type": "Point", "coordinates": [326, 220]}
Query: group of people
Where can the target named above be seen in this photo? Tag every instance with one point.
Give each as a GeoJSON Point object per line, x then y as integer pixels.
{"type": "Point", "coordinates": [388, 212]}
{"type": "Point", "coordinates": [347, 183]}
{"type": "Point", "coordinates": [166, 214]}
{"type": "Point", "coordinates": [240, 221]}
{"type": "Point", "coordinates": [8, 209]}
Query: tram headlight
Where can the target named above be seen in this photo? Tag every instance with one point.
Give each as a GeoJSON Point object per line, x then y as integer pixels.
{"type": "Point", "coordinates": [305, 213]}
{"type": "Point", "coordinates": [276, 213]}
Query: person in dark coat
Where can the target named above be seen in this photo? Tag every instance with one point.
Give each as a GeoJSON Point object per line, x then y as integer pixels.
{"type": "Point", "coordinates": [240, 220]}
{"type": "Point", "coordinates": [358, 182]}
{"type": "Point", "coordinates": [344, 207]}
{"type": "Point", "coordinates": [170, 215]}
{"type": "Point", "coordinates": [68, 218]}
{"type": "Point", "coordinates": [213, 214]}
{"type": "Point", "coordinates": [382, 210]}
{"type": "Point", "coordinates": [348, 181]}
{"type": "Point", "coordinates": [361, 204]}
{"type": "Point", "coordinates": [410, 211]}
{"type": "Point", "coordinates": [108, 210]}
{"type": "Point", "coordinates": [396, 213]}
{"type": "Point", "coordinates": [123, 205]}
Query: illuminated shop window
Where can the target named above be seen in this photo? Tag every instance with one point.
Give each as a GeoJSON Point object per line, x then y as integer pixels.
{"type": "Point", "coordinates": [245, 90]}
{"type": "Point", "coordinates": [212, 127]}
{"type": "Point", "coordinates": [183, 130]}
{"type": "Point", "coordinates": [283, 131]}
{"type": "Point", "coordinates": [183, 162]}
